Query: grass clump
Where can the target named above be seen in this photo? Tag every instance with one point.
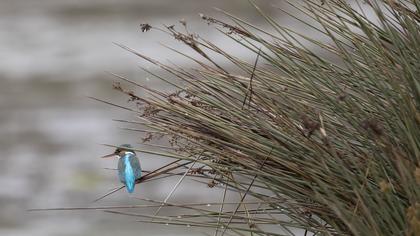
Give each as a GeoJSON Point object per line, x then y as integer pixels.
{"type": "Point", "coordinates": [323, 134]}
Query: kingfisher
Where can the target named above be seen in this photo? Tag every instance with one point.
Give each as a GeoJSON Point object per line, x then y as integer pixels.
{"type": "Point", "coordinates": [129, 169]}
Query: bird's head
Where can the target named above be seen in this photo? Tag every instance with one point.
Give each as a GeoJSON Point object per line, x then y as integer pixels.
{"type": "Point", "coordinates": [120, 151]}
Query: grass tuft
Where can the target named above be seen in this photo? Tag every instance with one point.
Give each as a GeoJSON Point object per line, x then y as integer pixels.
{"type": "Point", "coordinates": [319, 135]}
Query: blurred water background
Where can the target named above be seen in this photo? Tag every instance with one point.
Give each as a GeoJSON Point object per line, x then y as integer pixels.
{"type": "Point", "coordinates": [53, 54]}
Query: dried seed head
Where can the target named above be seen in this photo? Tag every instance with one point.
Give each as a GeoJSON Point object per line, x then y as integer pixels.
{"type": "Point", "coordinates": [117, 86]}
{"type": "Point", "coordinates": [342, 97]}
{"type": "Point", "coordinates": [232, 29]}
{"type": "Point", "coordinates": [310, 125]}
{"type": "Point", "coordinates": [413, 217]}
{"type": "Point", "coordinates": [147, 138]}
{"type": "Point", "coordinates": [417, 175]}
{"type": "Point", "coordinates": [211, 184]}
{"type": "Point", "coordinates": [197, 171]}
{"type": "Point", "coordinates": [145, 27]}
{"type": "Point", "coordinates": [384, 186]}
{"type": "Point", "coordinates": [373, 125]}
{"type": "Point", "coordinates": [183, 22]}
{"type": "Point", "coordinates": [133, 97]}
{"type": "Point", "coordinates": [418, 117]}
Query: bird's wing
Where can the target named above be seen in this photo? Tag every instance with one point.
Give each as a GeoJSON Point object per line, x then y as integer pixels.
{"type": "Point", "coordinates": [137, 167]}
{"type": "Point", "coordinates": [121, 169]}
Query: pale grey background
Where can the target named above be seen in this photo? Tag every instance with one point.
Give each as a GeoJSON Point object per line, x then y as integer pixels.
{"type": "Point", "coordinates": [54, 53]}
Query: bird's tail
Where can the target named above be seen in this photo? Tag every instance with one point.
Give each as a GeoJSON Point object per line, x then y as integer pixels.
{"type": "Point", "coordinates": [129, 185]}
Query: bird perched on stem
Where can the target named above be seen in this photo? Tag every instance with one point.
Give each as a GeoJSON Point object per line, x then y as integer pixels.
{"type": "Point", "coordinates": [129, 169]}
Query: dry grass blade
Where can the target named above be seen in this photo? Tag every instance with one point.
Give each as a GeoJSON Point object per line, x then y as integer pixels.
{"type": "Point", "coordinates": [249, 90]}
{"type": "Point", "coordinates": [243, 198]}
{"type": "Point", "coordinates": [176, 186]}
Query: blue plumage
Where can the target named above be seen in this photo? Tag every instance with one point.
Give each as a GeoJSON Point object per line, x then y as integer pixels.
{"type": "Point", "coordinates": [128, 169]}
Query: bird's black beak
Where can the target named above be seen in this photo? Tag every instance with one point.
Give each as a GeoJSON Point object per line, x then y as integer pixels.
{"type": "Point", "coordinates": [110, 155]}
